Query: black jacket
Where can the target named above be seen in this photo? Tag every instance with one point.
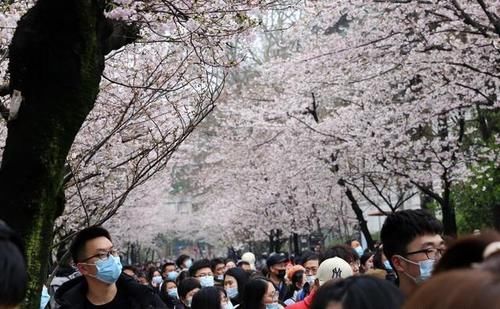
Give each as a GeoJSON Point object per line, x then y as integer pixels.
{"type": "Point", "coordinates": [72, 294]}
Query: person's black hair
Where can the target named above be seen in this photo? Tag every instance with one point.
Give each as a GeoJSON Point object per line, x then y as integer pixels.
{"type": "Point", "coordinates": [365, 292]}
{"type": "Point", "coordinates": [77, 247]}
{"type": "Point", "coordinates": [292, 288]}
{"type": "Point", "coordinates": [182, 275]}
{"type": "Point", "coordinates": [204, 263]}
{"type": "Point", "coordinates": [13, 274]}
{"type": "Point", "coordinates": [167, 299]}
{"type": "Point", "coordinates": [308, 256]}
{"type": "Point", "coordinates": [296, 278]}
{"type": "Point", "coordinates": [255, 290]}
{"type": "Point", "coordinates": [365, 257]}
{"type": "Point", "coordinates": [130, 267]}
{"type": "Point", "coordinates": [216, 261]}
{"type": "Point", "coordinates": [207, 298]}
{"type": "Point", "coordinates": [242, 278]}
{"type": "Point", "coordinates": [186, 286]}
{"type": "Point", "coordinates": [377, 259]}
{"type": "Point", "coordinates": [150, 272]}
{"type": "Point", "coordinates": [342, 251]}
{"type": "Point", "coordinates": [168, 263]}
{"type": "Point", "coordinates": [163, 288]}
{"type": "Point", "coordinates": [402, 227]}
{"type": "Point", "coordinates": [141, 274]}
{"type": "Point", "coordinates": [180, 260]}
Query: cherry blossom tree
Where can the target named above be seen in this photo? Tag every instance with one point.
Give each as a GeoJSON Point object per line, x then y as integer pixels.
{"type": "Point", "coordinates": [101, 94]}
{"type": "Point", "coordinates": [402, 88]}
{"type": "Point", "coordinates": [399, 92]}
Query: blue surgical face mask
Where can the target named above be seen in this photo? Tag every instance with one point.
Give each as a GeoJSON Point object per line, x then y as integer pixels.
{"type": "Point", "coordinates": [188, 263]}
{"type": "Point", "coordinates": [359, 250]}
{"type": "Point", "coordinates": [108, 270]}
{"type": "Point", "coordinates": [173, 293]}
{"type": "Point", "coordinates": [207, 281]}
{"type": "Point", "coordinates": [172, 275]}
{"type": "Point", "coordinates": [188, 302]}
{"type": "Point", "coordinates": [157, 280]}
{"type": "Point", "coordinates": [272, 306]}
{"type": "Point", "coordinates": [425, 267]}
{"type": "Point", "coordinates": [45, 298]}
{"type": "Point", "coordinates": [387, 265]}
{"type": "Point", "coordinates": [232, 292]}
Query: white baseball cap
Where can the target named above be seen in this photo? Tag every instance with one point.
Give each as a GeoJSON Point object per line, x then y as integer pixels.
{"type": "Point", "coordinates": [333, 268]}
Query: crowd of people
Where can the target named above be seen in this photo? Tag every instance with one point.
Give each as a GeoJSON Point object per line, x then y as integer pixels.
{"type": "Point", "coordinates": [413, 267]}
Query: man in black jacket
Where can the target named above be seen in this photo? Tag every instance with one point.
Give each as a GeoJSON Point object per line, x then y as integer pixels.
{"type": "Point", "coordinates": [102, 285]}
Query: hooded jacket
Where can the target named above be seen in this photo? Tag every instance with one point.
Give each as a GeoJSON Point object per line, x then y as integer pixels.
{"type": "Point", "coordinates": [72, 294]}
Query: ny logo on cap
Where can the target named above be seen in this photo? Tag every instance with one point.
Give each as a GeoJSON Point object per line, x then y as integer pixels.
{"type": "Point", "coordinates": [336, 273]}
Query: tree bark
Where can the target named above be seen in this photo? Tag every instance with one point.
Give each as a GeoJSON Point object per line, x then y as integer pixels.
{"type": "Point", "coordinates": [56, 61]}
{"type": "Point", "coordinates": [448, 210]}
{"type": "Point", "coordinates": [359, 215]}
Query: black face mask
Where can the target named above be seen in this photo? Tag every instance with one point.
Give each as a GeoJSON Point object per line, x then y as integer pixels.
{"type": "Point", "coordinates": [281, 273]}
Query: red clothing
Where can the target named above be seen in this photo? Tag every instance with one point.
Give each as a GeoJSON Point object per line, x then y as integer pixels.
{"type": "Point", "coordinates": [305, 304]}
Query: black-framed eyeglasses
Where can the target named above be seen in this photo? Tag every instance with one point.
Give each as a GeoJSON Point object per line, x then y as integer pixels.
{"type": "Point", "coordinates": [104, 255]}
{"type": "Point", "coordinates": [430, 253]}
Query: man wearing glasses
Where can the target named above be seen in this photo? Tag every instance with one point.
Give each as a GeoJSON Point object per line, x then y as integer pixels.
{"type": "Point", "coordinates": [413, 244]}
{"type": "Point", "coordinates": [102, 285]}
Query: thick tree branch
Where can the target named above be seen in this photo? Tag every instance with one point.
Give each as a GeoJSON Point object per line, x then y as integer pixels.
{"type": "Point", "coordinates": [4, 90]}
{"type": "Point", "coordinates": [4, 111]}
{"type": "Point", "coordinates": [119, 35]}
{"type": "Point", "coordinates": [494, 20]}
{"type": "Point", "coordinates": [468, 19]}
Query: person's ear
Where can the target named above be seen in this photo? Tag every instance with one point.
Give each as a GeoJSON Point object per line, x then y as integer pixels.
{"type": "Point", "coordinates": [83, 268]}
{"type": "Point", "coordinates": [396, 263]}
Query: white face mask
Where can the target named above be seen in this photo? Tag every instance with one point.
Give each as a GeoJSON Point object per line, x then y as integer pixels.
{"type": "Point", "coordinates": [310, 279]}
{"type": "Point", "coordinates": [157, 280]}
{"type": "Point", "coordinates": [229, 305]}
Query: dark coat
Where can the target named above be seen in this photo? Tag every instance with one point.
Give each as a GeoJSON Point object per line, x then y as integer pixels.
{"type": "Point", "coordinates": [72, 294]}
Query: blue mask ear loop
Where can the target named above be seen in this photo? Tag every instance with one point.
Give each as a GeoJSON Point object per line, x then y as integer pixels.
{"type": "Point", "coordinates": [416, 279]}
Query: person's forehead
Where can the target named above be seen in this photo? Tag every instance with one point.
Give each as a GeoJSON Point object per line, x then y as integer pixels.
{"type": "Point", "coordinates": [171, 285]}
{"type": "Point", "coordinates": [204, 270]}
{"type": "Point", "coordinates": [229, 277]}
{"type": "Point", "coordinates": [98, 244]}
{"type": "Point", "coordinates": [424, 241]}
{"type": "Point", "coordinates": [311, 263]}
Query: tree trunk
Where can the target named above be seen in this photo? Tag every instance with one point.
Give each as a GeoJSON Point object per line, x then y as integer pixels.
{"type": "Point", "coordinates": [448, 210]}
{"type": "Point", "coordinates": [359, 215]}
{"type": "Point", "coordinates": [56, 61]}
{"type": "Point", "coordinates": [271, 241]}
{"type": "Point", "coordinates": [295, 239]}
{"type": "Point", "coordinates": [425, 199]}
{"type": "Point", "coordinates": [496, 216]}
